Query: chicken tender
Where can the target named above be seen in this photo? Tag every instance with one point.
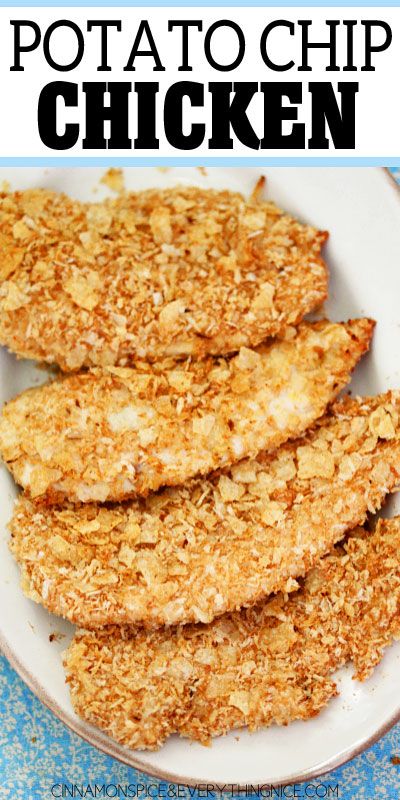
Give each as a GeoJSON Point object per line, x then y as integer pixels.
{"type": "Point", "coordinates": [191, 553]}
{"type": "Point", "coordinates": [272, 663]}
{"type": "Point", "coordinates": [119, 432]}
{"type": "Point", "coordinates": [180, 272]}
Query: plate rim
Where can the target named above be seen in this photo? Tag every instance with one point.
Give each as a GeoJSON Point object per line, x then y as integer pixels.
{"type": "Point", "coordinates": [107, 746]}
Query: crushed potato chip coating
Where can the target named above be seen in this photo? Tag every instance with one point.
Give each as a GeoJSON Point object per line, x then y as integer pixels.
{"type": "Point", "coordinates": [114, 180]}
{"type": "Point", "coordinates": [153, 274]}
{"type": "Point", "coordinates": [272, 663]}
{"type": "Point", "coordinates": [119, 432]}
{"type": "Point", "coordinates": [191, 553]}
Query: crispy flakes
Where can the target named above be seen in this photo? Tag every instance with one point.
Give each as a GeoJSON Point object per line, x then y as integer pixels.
{"type": "Point", "coordinates": [272, 663]}
{"type": "Point", "coordinates": [110, 434]}
{"type": "Point", "coordinates": [192, 553]}
{"type": "Point", "coordinates": [181, 272]}
{"type": "Point", "coordinates": [114, 180]}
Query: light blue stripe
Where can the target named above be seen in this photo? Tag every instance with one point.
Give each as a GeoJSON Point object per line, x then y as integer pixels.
{"type": "Point", "coordinates": [205, 4]}
{"type": "Point", "coordinates": [230, 161]}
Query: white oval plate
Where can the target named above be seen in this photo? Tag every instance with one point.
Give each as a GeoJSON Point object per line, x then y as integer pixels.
{"type": "Point", "coordinates": [361, 209]}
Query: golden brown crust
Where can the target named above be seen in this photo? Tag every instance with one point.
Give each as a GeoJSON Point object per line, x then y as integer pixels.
{"type": "Point", "coordinates": [115, 433]}
{"type": "Point", "coordinates": [180, 272]}
{"type": "Point", "coordinates": [191, 553]}
{"type": "Point", "coordinates": [268, 664]}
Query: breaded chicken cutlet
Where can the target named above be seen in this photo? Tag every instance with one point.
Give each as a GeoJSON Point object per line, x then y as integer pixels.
{"type": "Point", "coordinates": [192, 553]}
{"type": "Point", "coordinates": [179, 272]}
{"type": "Point", "coordinates": [118, 432]}
{"type": "Point", "coordinates": [272, 663]}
